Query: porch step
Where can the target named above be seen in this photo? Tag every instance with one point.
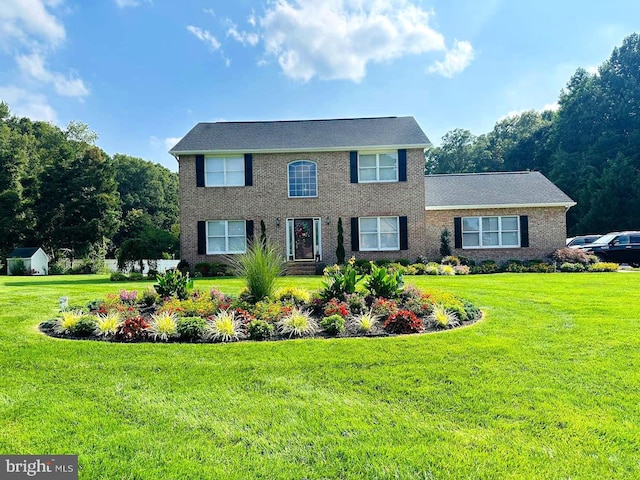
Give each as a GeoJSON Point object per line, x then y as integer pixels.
{"type": "Point", "coordinates": [305, 268]}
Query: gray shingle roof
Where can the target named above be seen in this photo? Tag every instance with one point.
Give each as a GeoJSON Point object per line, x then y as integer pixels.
{"type": "Point", "coordinates": [492, 189]}
{"type": "Point", "coordinates": [300, 135]}
{"type": "Point", "coordinates": [25, 252]}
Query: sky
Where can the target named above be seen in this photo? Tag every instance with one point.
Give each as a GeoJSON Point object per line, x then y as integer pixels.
{"type": "Point", "coordinates": [142, 73]}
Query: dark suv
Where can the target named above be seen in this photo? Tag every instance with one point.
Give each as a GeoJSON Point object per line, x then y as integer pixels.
{"type": "Point", "coordinates": [619, 247]}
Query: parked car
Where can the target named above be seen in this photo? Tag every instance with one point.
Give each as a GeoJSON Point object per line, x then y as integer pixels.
{"type": "Point", "coordinates": [619, 247]}
{"type": "Point", "coordinates": [580, 240]}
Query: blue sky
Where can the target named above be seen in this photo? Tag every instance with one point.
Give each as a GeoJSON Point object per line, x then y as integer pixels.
{"type": "Point", "coordinates": [141, 73]}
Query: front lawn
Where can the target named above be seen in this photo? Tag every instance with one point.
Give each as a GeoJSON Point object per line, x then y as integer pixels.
{"type": "Point", "coordinates": [546, 386]}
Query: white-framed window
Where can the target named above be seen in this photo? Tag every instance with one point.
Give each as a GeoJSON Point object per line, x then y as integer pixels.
{"type": "Point", "coordinates": [491, 232]}
{"type": "Point", "coordinates": [377, 167]}
{"type": "Point", "coordinates": [226, 236]}
{"type": "Point", "coordinates": [224, 171]}
{"type": "Point", "coordinates": [379, 233]}
{"type": "Point", "coordinates": [302, 179]}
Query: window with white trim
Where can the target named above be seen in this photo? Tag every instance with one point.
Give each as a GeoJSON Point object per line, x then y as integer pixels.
{"type": "Point", "coordinates": [224, 171]}
{"type": "Point", "coordinates": [226, 236]}
{"type": "Point", "coordinates": [303, 179]}
{"type": "Point", "coordinates": [490, 232]}
{"type": "Point", "coordinates": [378, 167]}
{"type": "Point", "coordinates": [379, 233]}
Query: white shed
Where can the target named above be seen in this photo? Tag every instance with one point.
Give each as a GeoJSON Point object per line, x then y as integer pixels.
{"type": "Point", "coordinates": [33, 258]}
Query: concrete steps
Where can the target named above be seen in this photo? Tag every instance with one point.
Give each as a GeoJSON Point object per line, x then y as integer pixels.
{"type": "Point", "coordinates": [304, 268]}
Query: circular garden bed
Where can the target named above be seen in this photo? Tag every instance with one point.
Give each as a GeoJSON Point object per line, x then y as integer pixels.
{"type": "Point", "coordinates": [345, 306]}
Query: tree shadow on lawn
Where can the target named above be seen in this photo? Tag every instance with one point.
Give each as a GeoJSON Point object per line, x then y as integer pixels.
{"type": "Point", "coordinates": [70, 281]}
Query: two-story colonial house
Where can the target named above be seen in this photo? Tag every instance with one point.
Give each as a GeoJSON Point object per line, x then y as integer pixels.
{"type": "Point", "coordinates": [300, 177]}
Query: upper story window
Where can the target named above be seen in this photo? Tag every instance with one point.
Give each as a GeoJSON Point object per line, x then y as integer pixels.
{"type": "Point", "coordinates": [303, 179]}
{"type": "Point", "coordinates": [226, 236]}
{"type": "Point", "coordinates": [379, 233]}
{"type": "Point", "coordinates": [378, 167]}
{"type": "Point", "coordinates": [490, 232]}
{"type": "Point", "coordinates": [224, 171]}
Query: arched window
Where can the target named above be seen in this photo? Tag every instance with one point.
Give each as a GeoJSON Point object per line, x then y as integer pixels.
{"type": "Point", "coordinates": [303, 179]}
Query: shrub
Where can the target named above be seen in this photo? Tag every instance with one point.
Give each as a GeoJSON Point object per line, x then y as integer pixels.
{"type": "Point", "coordinates": [298, 323]}
{"type": "Point", "coordinates": [118, 277]}
{"type": "Point", "coordinates": [462, 270]}
{"type": "Point", "coordinates": [403, 261]}
{"type": "Point", "coordinates": [420, 268]}
{"type": "Point", "coordinates": [333, 324]}
{"type": "Point", "coordinates": [384, 284]}
{"type": "Point", "coordinates": [259, 267]}
{"type": "Point", "coordinates": [340, 253]}
{"type": "Point", "coordinates": [572, 267]}
{"type": "Point", "coordinates": [136, 276]}
{"type": "Point", "coordinates": [150, 296]}
{"type": "Point", "coordinates": [447, 300]}
{"type": "Point", "coordinates": [212, 269]}
{"type": "Point", "coordinates": [18, 268]}
{"type": "Point", "coordinates": [134, 328]}
{"type": "Point", "coordinates": [224, 327]}
{"type": "Point", "coordinates": [163, 326]}
{"type": "Point", "coordinates": [184, 267]}
{"type": "Point", "coordinates": [362, 266]}
{"type": "Point", "coordinates": [384, 308]}
{"type": "Point", "coordinates": [83, 327]}
{"type": "Point", "coordinates": [191, 328]}
{"type": "Point", "coordinates": [514, 266]}
{"type": "Point", "coordinates": [603, 267]}
{"type": "Point", "coordinates": [200, 307]}
{"type": "Point", "coordinates": [410, 270]}
{"type": "Point", "coordinates": [471, 312]}
{"type": "Point", "coordinates": [129, 298]}
{"type": "Point", "coordinates": [334, 307]}
{"type": "Point", "coordinates": [69, 320]}
{"type": "Point", "coordinates": [445, 243]}
{"type": "Point", "coordinates": [269, 311]}
{"type": "Point", "coordinates": [450, 260]}
{"type": "Point", "coordinates": [446, 270]}
{"type": "Point", "coordinates": [365, 322]}
{"type": "Point", "coordinates": [260, 330]}
{"type": "Point", "coordinates": [540, 267]}
{"type": "Point", "coordinates": [58, 268]}
{"type": "Point", "coordinates": [486, 267]}
{"type": "Point", "coordinates": [172, 283]}
{"type": "Point", "coordinates": [403, 321]}
{"type": "Point", "coordinates": [355, 302]}
{"type": "Point", "coordinates": [107, 324]}
{"type": "Point", "coordinates": [296, 295]}
{"type": "Point", "coordinates": [571, 255]}
{"type": "Point", "coordinates": [431, 268]}
{"type": "Point", "coordinates": [443, 318]}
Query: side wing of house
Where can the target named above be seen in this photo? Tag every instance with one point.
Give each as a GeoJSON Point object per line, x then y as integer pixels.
{"type": "Point", "coordinates": [496, 216]}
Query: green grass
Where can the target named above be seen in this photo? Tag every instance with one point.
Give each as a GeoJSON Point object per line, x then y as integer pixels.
{"type": "Point", "coordinates": [546, 386]}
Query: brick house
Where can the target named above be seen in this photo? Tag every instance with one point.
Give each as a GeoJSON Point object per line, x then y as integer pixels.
{"type": "Point", "coordinates": [300, 177]}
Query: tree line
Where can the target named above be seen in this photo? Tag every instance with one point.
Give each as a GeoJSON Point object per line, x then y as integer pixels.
{"type": "Point", "coordinates": [589, 147]}
{"type": "Point", "coordinates": [58, 190]}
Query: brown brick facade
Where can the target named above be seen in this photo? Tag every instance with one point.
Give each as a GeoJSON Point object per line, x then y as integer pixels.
{"type": "Point", "coordinates": [547, 232]}
{"type": "Point", "coordinates": [337, 198]}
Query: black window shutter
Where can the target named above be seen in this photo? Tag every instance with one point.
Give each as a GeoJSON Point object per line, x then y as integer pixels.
{"type": "Point", "coordinates": [355, 235]}
{"type": "Point", "coordinates": [249, 229]}
{"type": "Point", "coordinates": [524, 231]}
{"type": "Point", "coordinates": [353, 166]}
{"type": "Point", "coordinates": [404, 234]}
{"type": "Point", "coordinates": [202, 238]}
{"type": "Point", "coordinates": [457, 232]}
{"type": "Point", "coordinates": [199, 170]}
{"type": "Point", "coordinates": [248, 170]}
{"type": "Point", "coordinates": [402, 165]}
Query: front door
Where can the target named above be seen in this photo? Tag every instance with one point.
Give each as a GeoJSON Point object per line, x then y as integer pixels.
{"type": "Point", "coordinates": [303, 239]}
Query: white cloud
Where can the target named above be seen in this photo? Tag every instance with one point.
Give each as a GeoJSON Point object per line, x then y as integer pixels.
{"type": "Point", "coordinates": [22, 20]}
{"type": "Point", "coordinates": [554, 107]}
{"type": "Point", "coordinates": [131, 3]}
{"type": "Point", "coordinates": [246, 38]}
{"type": "Point", "coordinates": [336, 39]}
{"type": "Point", "coordinates": [205, 36]}
{"type": "Point", "coordinates": [592, 69]}
{"type": "Point", "coordinates": [33, 66]}
{"type": "Point", "coordinates": [209, 11]}
{"type": "Point", "coordinates": [171, 142]}
{"type": "Point", "coordinates": [455, 60]}
{"type": "Point", "coordinates": [27, 104]}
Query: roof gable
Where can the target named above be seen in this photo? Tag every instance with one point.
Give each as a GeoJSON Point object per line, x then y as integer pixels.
{"type": "Point", "coordinates": [302, 135]}
{"type": "Point", "coordinates": [497, 189]}
{"type": "Point", "coordinates": [24, 252]}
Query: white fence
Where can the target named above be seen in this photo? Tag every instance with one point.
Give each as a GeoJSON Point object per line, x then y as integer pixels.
{"type": "Point", "coordinates": [162, 265]}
